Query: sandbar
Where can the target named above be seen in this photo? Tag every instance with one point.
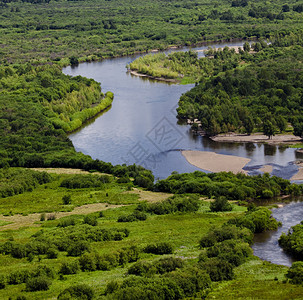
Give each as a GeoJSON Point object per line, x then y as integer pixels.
{"type": "Point", "coordinates": [257, 138]}
{"type": "Point", "coordinates": [214, 162]}
{"type": "Point", "coordinates": [266, 169]}
{"type": "Point", "coordinates": [299, 175]}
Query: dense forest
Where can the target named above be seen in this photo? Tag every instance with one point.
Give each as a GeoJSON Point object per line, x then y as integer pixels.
{"type": "Point", "coordinates": [90, 30]}
{"type": "Point", "coordinates": [263, 94]}
{"type": "Point", "coordinates": [111, 232]}
{"type": "Point", "coordinates": [256, 88]}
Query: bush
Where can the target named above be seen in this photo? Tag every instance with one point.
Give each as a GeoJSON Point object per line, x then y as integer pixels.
{"type": "Point", "coordinates": [135, 216]}
{"type": "Point", "coordinates": [40, 283]}
{"type": "Point", "coordinates": [142, 268]}
{"type": "Point", "coordinates": [226, 232]}
{"type": "Point", "coordinates": [220, 204]}
{"type": "Point", "coordinates": [90, 220]}
{"type": "Point", "coordinates": [87, 262]}
{"type": "Point", "coordinates": [295, 273]}
{"type": "Point", "coordinates": [159, 248]}
{"type": "Point", "coordinates": [218, 269]}
{"type": "Point", "coordinates": [77, 248]}
{"type": "Point", "coordinates": [19, 276]}
{"type": "Point", "coordinates": [80, 291]}
{"type": "Point", "coordinates": [52, 253]}
{"type": "Point", "coordinates": [67, 199]}
{"type": "Point", "coordinates": [64, 222]}
{"type": "Point", "coordinates": [2, 281]}
{"type": "Point", "coordinates": [70, 267]}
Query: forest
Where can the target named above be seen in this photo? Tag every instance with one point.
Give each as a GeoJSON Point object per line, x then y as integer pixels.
{"type": "Point", "coordinates": [257, 88]}
{"type": "Point", "coordinates": [74, 227]}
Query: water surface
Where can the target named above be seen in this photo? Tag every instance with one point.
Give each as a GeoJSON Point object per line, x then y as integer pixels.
{"type": "Point", "coordinates": [141, 126]}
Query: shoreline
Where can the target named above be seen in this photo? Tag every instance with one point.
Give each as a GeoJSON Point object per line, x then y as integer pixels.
{"type": "Point", "coordinates": [213, 162]}
{"type": "Point", "coordinates": [283, 139]}
{"type": "Point", "coordinates": [135, 73]}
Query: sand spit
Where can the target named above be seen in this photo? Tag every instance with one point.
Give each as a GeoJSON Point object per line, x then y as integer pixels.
{"type": "Point", "coordinates": [214, 162]}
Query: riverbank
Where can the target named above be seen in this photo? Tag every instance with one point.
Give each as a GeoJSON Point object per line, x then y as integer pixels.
{"type": "Point", "coordinates": [283, 139]}
{"type": "Point", "coordinates": [213, 162]}
{"type": "Point", "coordinates": [135, 73]}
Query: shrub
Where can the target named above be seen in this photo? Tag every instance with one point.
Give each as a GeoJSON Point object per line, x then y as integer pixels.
{"type": "Point", "coordinates": [2, 281]}
{"type": "Point", "coordinates": [42, 217]}
{"type": "Point", "coordinates": [80, 291]}
{"type": "Point", "coordinates": [90, 220]}
{"type": "Point", "coordinates": [295, 273]}
{"type": "Point", "coordinates": [88, 262]}
{"type": "Point", "coordinates": [135, 216]}
{"type": "Point", "coordinates": [52, 253]}
{"type": "Point", "coordinates": [70, 267]}
{"type": "Point", "coordinates": [168, 264]}
{"type": "Point", "coordinates": [67, 199]}
{"type": "Point", "coordinates": [142, 268]}
{"type": "Point", "coordinates": [19, 276]}
{"type": "Point", "coordinates": [40, 283]}
{"type": "Point", "coordinates": [226, 232]}
{"type": "Point", "coordinates": [220, 204]}
{"type": "Point", "coordinates": [64, 222]}
{"type": "Point", "coordinates": [159, 248]}
{"type": "Point", "coordinates": [77, 248]}
{"type": "Point", "coordinates": [218, 269]}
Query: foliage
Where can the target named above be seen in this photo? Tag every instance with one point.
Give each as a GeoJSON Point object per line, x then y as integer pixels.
{"type": "Point", "coordinates": [292, 242]}
{"type": "Point", "coordinates": [40, 283]}
{"type": "Point", "coordinates": [295, 273]}
{"type": "Point", "coordinates": [80, 291]}
{"type": "Point", "coordinates": [18, 181]}
{"type": "Point", "coordinates": [263, 94]}
{"type": "Point", "coordinates": [177, 203]}
{"type": "Point", "coordinates": [135, 216]}
{"type": "Point", "coordinates": [179, 65]}
{"type": "Point", "coordinates": [223, 233]}
{"type": "Point", "coordinates": [220, 204]}
{"type": "Point", "coordinates": [232, 186]}
{"type": "Point", "coordinates": [159, 248]}
{"type": "Point", "coordinates": [256, 221]}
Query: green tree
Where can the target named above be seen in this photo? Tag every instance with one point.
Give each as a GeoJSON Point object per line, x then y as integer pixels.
{"type": "Point", "coordinates": [246, 47]}
{"type": "Point", "coordinates": [268, 129]}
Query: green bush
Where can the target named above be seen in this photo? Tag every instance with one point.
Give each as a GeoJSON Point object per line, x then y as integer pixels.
{"type": "Point", "coordinates": [159, 248]}
{"type": "Point", "coordinates": [67, 199]}
{"type": "Point", "coordinates": [90, 220]}
{"type": "Point", "coordinates": [226, 232]}
{"type": "Point", "coordinates": [220, 204]}
{"type": "Point", "coordinates": [295, 273]}
{"type": "Point", "coordinates": [41, 283]}
{"type": "Point", "coordinates": [80, 291]}
{"type": "Point", "coordinates": [70, 267]}
{"type": "Point", "coordinates": [218, 269]}
{"type": "Point", "coordinates": [78, 248]}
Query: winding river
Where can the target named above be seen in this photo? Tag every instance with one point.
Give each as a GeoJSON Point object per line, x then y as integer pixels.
{"type": "Point", "coordinates": [141, 127]}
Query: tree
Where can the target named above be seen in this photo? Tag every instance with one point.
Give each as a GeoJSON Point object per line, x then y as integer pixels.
{"type": "Point", "coordinates": [220, 204]}
{"type": "Point", "coordinates": [268, 129]}
{"type": "Point", "coordinates": [73, 60]}
{"type": "Point", "coordinates": [246, 47]}
{"type": "Point", "coordinates": [281, 123]}
{"type": "Point", "coordinates": [298, 129]}
{"type": "Point", "coordinates": [248, 124]}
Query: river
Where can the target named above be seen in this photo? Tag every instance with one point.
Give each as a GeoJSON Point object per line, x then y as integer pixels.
{"type": "Point", "coordinates": [141, 127]}
{"type": "Point", "coordinates": [266, 244]}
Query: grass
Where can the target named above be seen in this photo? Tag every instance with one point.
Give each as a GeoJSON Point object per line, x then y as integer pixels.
{"type": "Point", "coordinates": [256, 279]}
{"type": "Point", "coordinates": [183, 230]}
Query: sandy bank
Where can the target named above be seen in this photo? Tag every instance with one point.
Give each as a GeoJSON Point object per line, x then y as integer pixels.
{"type": "Point", "coordinates": [214, 162]}
{"type": "Point", "coordinates": [266, 169]}
{"type": "Point", "coordinates": [299, 175]}
{"type": "Point", "coordinates": [135, 73]}
{"type": "Point", "coordinates": [257, 138]}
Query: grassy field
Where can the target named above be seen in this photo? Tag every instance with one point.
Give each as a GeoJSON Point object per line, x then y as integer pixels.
{"type": "Point", "coordinates": [254, 279]}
